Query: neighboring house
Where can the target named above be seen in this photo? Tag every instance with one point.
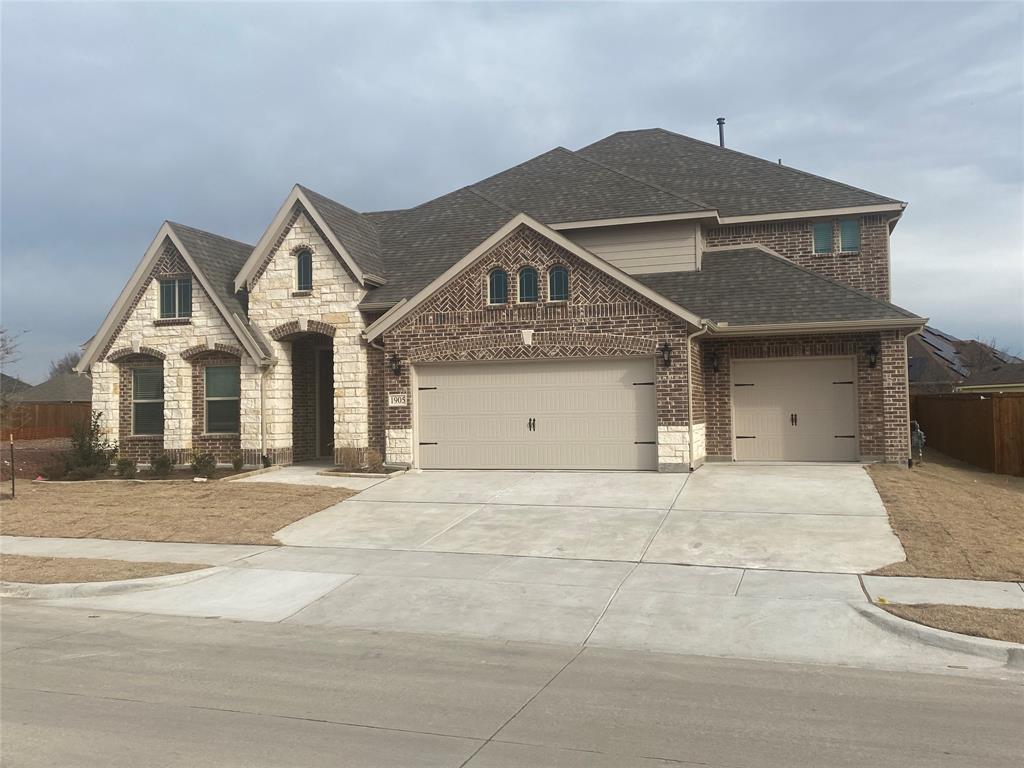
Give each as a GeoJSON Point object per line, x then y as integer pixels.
{"type": "Point", "coordinates": [647, 302]}
{"type": "Point", "coordinates": [10, 386]}
{"type": "Point", "coordinates": [62, 388]}
{"type": "Point", "coordinates": [939, 362]}
{"type": "Point", "coordinates": [1008, 377]}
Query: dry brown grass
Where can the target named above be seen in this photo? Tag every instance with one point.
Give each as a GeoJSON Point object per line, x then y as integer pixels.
{"type": "Point", "coordinates": [67, 570]}
{"type": "Point", "coordinates": [955, 521]}
{"type": "Point", "coordinates": [994, 623]}
{"type": "Point", "coordinates": [214, 513]}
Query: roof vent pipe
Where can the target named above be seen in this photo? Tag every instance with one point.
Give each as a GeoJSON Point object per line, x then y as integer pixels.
{"type": "Point", "coordinates": [721, 132]}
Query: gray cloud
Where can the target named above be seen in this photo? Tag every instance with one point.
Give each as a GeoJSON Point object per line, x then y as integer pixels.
{"type": "Point", "coordinates": [118, 116]}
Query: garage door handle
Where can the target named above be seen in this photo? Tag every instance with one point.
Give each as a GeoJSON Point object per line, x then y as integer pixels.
{"type": "Point", "coordinates": [792, 419]}
{"type": "Point", "coordinates": [531, 425]}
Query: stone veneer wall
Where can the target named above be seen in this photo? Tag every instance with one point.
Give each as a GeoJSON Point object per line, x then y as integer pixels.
{"type": "Point", "coordinates": [882, 397]}
{"type": "Point", "coordinates": [142, 328]}
{"type": "Point", "coordinates": [867, 270]}
{"type": "Point", "coordinates": [334, 300]}
{"type": "Point", "coordinates": [601, 318]}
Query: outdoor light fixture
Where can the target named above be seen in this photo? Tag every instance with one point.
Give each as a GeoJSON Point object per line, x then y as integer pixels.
{"type": "Point", "coordinates": [872, 357]}
{"type": "Point", "coordinates": [666, 353]}
{"type": "Point", "coordinates": [714, 361]}
{"type": "Point", "coordinates": [395, 363]}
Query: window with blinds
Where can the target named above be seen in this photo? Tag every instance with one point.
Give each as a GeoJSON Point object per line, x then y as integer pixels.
{"type": "Point", "coordinates": [176, 297]}
{"type": "Point", "coordinates": [823, 237]}
{"type": "Point", "coordinates": [223, 389]}
{"type": "Point", "coordinates": [849, 235]}
{"type": "Point", "coordinates": [148, 401]}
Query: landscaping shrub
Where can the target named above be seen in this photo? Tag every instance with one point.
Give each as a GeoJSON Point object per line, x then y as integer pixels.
{"type": "Point", "coordinates": [126, 468]}
{"type": "Point", "coordinates": [204, 465]}
{"type": "Point", "coordinates": [373, 461]}
{"type": "Point", "coordinates": [56, 468]}
{"type": "Point", "coordinates": [161, 465]}
{"type": "Point", "coordinates": [349, 459]}
{"type": "Point", "coordinates": [237, 462]}
{"type": "Point", "coordinates": [90, 454]}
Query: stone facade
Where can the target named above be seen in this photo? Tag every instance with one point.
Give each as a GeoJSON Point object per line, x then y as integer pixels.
{"type": "Point", "coordinates": [866, 270]}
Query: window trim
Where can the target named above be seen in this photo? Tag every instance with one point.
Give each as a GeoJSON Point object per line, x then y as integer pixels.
{"type": "Point", "coordinates": [551, 274]}
{"type": "Point", "coordinates": [842, 245]}
{"type": "Point", "coordinates": [831, 237]}
{"type": "Point", "coordinates": [490, 287]}
{"type": "Point", "coordinates": [207, 399]}
{"type": "Point", "coordinates": [299, 254]}
{"type": "Point", "coordinates": [536, 285]}
{"type": "Point", "coordinates": [135, 400]}
{"type": "Point", "coordinates": [178, 282]}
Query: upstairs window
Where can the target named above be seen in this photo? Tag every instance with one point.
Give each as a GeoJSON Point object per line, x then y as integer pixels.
{"type": "Point", "coordinates": [823, 237]}
{"type": "Point", "coordinates": [527, 285]}
{"type": "Point", "coordinates": [304, 270]}
{"type": "Point", "coordinates": [176, 297]}
{"type": "Point", "coordinates": [558, 284]}
{"type": "Point", "coordinates": [497, 290]}
{"type": "Point", "coordinates": [222, 398]}
{"type": "Point", "coordinates": [148, 401]}
{"type": "Point", "coordinates": [849, 235]}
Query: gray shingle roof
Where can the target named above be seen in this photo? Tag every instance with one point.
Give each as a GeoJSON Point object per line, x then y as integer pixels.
{"type": "Point", "coordinates": [751, 287]}
{"type": "Point", "coordinates": [10, 384]}
{"type": "Point", "coordinates": [354, 231]}
{"type": "Point", "coordinates": [62, 388]}
{"type": "Point", "coordinates": [219, 258]}
{"type": "Point", "coordinates": [562, 186]}
{"type": "Point", "coordinates": [733, 182]}
{"type": "Point", "coordinates": [1010, 373]}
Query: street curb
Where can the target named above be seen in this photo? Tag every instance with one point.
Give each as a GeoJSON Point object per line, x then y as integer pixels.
{"type": "Point", "coordinates": [253, 473]}
{"type": "Point", "coordinates": [96, 588]}
{"type": "Point", "coordinates": [1011, 654]}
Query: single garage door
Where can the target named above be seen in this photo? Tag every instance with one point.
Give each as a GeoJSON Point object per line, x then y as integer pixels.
{"type": "Point", "coordinates": [541, 414]}
{"type": "Point", "coordinates": [795, 410]}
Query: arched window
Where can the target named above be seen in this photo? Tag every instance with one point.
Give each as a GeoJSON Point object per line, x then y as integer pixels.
{"type": "Point", "coordinates": [527, 285]}
{"type": "Point", "coordinates": [497, 292]}
{"type": "Point", "coordinates": [304, 270]}
{"type": "Point", "coordinates": [558, 284]}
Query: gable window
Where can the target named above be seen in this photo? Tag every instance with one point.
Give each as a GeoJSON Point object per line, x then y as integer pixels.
{"type": "Point", "coordinates": [497, 287]}
{"type": "Point", "coordinates": [304, 270]}
{"type": "Point", "coordinates": [527, 285]}
{"type": "Point", "coordinates": [222, 398]}
{"type": "Point", "coordinates": [823, 237]}
{"type": "Point", "coordinates": [849, 235]}
{"type": "Point", "coordinates": [558, 284]}
{"type": "Point", "coordinates": [148, 401]}
{"type": "Point", "coordinates": [176, 297]}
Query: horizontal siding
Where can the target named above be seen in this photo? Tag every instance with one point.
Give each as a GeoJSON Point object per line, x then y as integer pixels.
{"type": "Point", "coordinates": [639, 249]}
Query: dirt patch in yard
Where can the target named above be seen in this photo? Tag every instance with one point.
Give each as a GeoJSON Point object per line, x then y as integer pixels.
{"type": "Point", "coordinates": [212, 513]}
{"type": "Point", "coordinates": [68, 570]}
{"type": "Point", "coordinates": [994, 623]}
{"type": "Point", "coordinates": [955, 521]}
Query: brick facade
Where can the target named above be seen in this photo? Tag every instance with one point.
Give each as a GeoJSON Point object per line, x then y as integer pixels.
{"type": "Point", "coordinates": [867, 270]}
{"type": "Point", "coordinates": [222, 446]}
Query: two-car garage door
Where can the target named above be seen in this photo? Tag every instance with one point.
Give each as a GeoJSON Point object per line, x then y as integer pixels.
{"type": "Point", "coordinates": [794, 410]}
{"type": "Point", "coordinates": [538, 414]}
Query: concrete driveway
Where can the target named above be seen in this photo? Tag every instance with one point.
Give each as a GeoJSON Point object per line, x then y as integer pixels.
{"type": "Point", "coordinates": [791, 517]}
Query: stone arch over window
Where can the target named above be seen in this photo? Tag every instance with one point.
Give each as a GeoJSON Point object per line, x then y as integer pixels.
{"type": "Point", "coordinates": [497, 287]}
{"type": "Point", "coordinates": [558, 284]}
{"type": "Point", "coordinates": [126, 353]}
{"type": "Point", "coordinates": [528, 293]}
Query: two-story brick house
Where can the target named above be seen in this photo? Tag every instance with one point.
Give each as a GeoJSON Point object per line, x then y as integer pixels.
{"type": "Point", "coordinates": [647, 302]}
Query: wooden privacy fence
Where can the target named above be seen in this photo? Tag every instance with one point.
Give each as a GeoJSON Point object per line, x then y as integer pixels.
{"type": "Point", "coordinates": [37, 421]}
{"type": "Point", "coordinates": [986, 430]}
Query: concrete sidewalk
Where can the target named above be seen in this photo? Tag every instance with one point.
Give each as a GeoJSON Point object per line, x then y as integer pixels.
{"type": "Point", "coordinates": [747, 613]}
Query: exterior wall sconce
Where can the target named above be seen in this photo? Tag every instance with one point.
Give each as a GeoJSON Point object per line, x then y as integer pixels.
{"type": "Point", "coordinates": [395, 364]}
{"type": "Point", "coordinates": [714, 361]}
{"type": "Point", "coordinates": [872, 357]}
{"type": "Point", "coordinates": [666, 353]}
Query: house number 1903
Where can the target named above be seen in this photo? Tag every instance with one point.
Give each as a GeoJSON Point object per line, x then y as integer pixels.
{"type": "Point", "coordinates": [398, 400]}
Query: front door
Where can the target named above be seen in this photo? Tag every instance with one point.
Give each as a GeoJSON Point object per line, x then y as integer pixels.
{"type": "Point", "coordinates": [325, 402]}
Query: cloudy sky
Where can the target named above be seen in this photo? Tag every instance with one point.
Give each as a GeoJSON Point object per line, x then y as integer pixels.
{"type": "Point", "coordinates": [118, 116]}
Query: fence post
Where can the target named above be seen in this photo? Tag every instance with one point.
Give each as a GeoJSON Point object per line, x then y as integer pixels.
{"type": "Point", "coordinates": [12, 465]}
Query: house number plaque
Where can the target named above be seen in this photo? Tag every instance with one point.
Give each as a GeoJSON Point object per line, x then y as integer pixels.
{"type": "Point", "coordinates": [398, 400]}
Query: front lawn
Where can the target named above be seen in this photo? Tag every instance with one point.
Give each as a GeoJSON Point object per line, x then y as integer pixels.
{"type": "Point", "coordinates": [994, 623]}
{"type": "Point", "coordinates": [216, 512]}
{"type": "Point", "coordinates": [66, 570]}
{"type": "Point", "coordinates": [955, 521]}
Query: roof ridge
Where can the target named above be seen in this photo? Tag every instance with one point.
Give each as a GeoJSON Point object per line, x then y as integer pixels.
{"type": "Point", "coordinates": [778, 256]}
{"type": "Point", "coordinates": [652, 185]}
{"type": "Point", "coordinates": [768, 162]}
{"type": "Point", "coordinates": [328, 199]}
{"type": "Point", "coordinates": [207, 232]}
{"type": "Point", "coordinates": [495, 203]}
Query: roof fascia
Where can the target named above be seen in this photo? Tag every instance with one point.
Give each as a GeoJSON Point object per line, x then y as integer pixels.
{"type": "Point", "coordinates": [384, 323]}
{"type": "Point", "coordinates": [993, 388]}
{"type": "Point", "coordinates": [100, 338]}
{"type": "Point", "coordinates": [840, 326]}
{"type": "Point", "coordinates": [262, 249]}
{"type": "Point", "coordinates": [848, 211]}
{"type": "Point", "coordinates": [563, 225]}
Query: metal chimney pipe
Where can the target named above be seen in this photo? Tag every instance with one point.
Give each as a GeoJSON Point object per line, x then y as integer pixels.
{"type": "Point", "coordinates": [721, 132]}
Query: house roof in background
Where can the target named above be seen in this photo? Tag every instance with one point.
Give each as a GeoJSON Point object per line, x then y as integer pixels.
{"type": "Point", "coordinates": [751, 287]}
{"type": "Point", "coordinates": [734, 183]}
{"type": "Point", "coordinates": [62, 388]}
{"type": "Point", "coordinates": [937, 357]}
{"type": "Point", "coordinates": [11, 384]}
{"type": "Point", "coordinates": [996, 375]}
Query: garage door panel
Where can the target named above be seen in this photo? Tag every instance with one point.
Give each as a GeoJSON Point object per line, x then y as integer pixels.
{"type": "Point", "coordinates": [794, 410]}
{"type": "Point", "coordinates": [588, 414]}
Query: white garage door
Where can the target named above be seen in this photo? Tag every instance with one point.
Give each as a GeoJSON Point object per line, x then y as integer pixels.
{"type": "Point", "coordinates": [550, 414]}
{"type": "Point", "coordinates": [794, 410]}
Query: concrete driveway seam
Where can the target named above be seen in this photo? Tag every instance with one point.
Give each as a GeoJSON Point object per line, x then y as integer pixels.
{"type": "Point", "coordinates": [448, 527]}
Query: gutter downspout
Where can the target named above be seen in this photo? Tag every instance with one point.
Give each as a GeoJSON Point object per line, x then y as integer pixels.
{"type": "Point", "coordinates": [689, 386]}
